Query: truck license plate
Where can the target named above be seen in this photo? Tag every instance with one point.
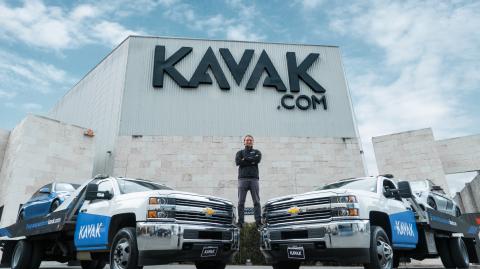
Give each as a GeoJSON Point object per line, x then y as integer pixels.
{"type": "Point", "coordinates": [296, 253]}
{"type": "Point", "coordinates": [209, 252]}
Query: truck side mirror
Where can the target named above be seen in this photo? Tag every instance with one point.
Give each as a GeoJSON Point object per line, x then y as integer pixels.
{"type": "Point", "coordinates": [404, 189]}
{"type": "Point", "coordinates": [92, 193]}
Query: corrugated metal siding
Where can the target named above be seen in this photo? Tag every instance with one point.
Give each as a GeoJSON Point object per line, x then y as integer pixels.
{"type": "Point", "coordinates": [95, 102]}
{"type": "Point", "coordinates": [209, 111]}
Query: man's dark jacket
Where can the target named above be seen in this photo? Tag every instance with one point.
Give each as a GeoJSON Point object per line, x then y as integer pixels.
{"type": "Point", "coordinates": [247, 161]}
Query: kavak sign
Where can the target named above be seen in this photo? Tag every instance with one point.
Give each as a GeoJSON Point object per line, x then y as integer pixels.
{"type": "Point", "coordinates": [296, 72]}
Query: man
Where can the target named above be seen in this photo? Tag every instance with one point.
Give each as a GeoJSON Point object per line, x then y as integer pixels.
{"type": "Point", "coordinates": [247, 161]}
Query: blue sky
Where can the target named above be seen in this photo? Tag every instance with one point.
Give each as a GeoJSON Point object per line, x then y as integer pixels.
{"type": "Point", "coordinates": [409, 64]}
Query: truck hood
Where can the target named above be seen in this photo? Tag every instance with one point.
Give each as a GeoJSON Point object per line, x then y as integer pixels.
{"type": "Point", "coordinates": [179, 195]}
{"type": "Point", "coordinates": [323, 193]}
{"type": "Point", "coordinates": [308, 195]}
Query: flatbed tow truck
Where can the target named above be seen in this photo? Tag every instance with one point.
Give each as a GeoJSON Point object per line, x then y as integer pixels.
{"type": "Point", "coordinates": [128, 229]}
{"type": "Point", "coordinates": [371, 221]}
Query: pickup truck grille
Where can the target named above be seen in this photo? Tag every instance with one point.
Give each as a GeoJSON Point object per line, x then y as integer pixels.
{"type": "Point", "coordinates": [193, 203]}
{"type": "Point", "coordinates": [323, 214]}
{"type": "Point", "coordinates": [276, 213]}
{"type": "Point", "coordinates": [200, 217]}
{"type": "Point", "coordinates": [307, 202]}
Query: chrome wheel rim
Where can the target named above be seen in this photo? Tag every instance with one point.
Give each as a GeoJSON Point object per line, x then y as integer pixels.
{"type": "Point", "coordinates": [17, 254]}
{"type": "Point", "coordinates": [463, 248]}
{"type": "Point", "coordinates": [121, 253]}
{"type": "Point", "coordinates": [384, 253]}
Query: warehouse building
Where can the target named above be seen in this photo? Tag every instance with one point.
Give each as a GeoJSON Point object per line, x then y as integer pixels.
{"type": "Point", "coordinates": [175, 110]}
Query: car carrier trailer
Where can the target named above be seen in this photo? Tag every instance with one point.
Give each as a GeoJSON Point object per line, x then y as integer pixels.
{"type": "Point", "coordinates": [102, 223]}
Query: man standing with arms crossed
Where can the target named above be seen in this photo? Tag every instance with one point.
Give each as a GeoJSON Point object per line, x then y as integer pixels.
{"type": "Point", "coordinates": [247, 161]}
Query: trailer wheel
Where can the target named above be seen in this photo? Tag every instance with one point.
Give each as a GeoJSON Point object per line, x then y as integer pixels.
{"type": "Point", "coordinates": [444, 252]}
{"type": "Point", "coordinates": [54, 205]}
{"type": "Point", "coordinates": [210, 265]}
{"type": "Point", "coordinates": [286, 265]}
{"type": "Point", "coordinates": [459, 252]}
{"type": "Point", "coordinates": [37, 255]}
{"type": "Point", "coordinates": [381, 252]}
{"type": "Point", "coordinates": [21, 255]}
{"type": "Point", "coordinates": [124, 251]}
{"type": "Point", "coordinates": [94, 264]}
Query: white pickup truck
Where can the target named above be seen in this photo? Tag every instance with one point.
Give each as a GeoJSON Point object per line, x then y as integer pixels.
{"type": "Point", "coordinates": [128, 223]}
{"type": "Point", "coordinates": [367, 221]}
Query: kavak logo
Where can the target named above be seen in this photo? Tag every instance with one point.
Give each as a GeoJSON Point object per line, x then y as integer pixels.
{"type": "Point", "coordinates": [296, 72]}
{"type": "Point", "coordinates": [90, 231]}
{"type": "Point", "coordinates": [404, 228]}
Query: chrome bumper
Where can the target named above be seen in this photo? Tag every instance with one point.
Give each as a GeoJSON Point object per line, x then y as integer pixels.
{"type": "Point", "coordinates": [346, 234]}
{"type": "Point", "coordinates": [170, 236]}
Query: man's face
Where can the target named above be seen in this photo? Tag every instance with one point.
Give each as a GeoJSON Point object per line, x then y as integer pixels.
{"type": "Point", "coordinates": [248, 141]}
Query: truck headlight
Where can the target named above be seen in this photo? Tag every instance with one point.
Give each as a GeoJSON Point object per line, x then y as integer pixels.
{"type": "Point", "coordinates": [160, 214]}
{"type": "Point", "coordinates": [344, 199]}
{"type": "Point", "coordinates": [161, 201]}
{"type": "Point", "coordinates": [345, 212]}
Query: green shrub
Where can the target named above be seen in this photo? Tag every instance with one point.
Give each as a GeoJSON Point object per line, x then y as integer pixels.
{"type": "Point", "coordinates": [249, 246]}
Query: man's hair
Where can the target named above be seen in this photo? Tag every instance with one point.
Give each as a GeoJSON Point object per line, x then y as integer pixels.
{"type": "Point", "coordinates": [248, 135]}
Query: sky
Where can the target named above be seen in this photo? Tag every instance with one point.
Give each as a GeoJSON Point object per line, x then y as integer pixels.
{"type": "Point", "coordinates": [409, 64]}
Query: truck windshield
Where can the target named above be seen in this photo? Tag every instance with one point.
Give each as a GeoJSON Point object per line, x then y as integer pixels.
{"type": "Point", "coordinates": [365, 184]}
{"type": "Point", "coordinates": [129, 186]}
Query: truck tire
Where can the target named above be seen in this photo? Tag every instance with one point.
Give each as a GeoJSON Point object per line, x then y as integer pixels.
{"type": "Point", "coordinates": [286, 265]}
{"type": "Point", "coordinates": [210, 265]}
{"type": "Point", "coordinates": [444, 252]}
{"type": "Point", "coordinates": [381, 252]}
{"type": "Point", "coordinates": [94, 264]}
{"type": "Point", "coordinates": [21, 255]}
{"type": "Point", "coordinates": [37, 255]}
{"type": "Point", "coordinates": [124, 250]}
{"type": "Point", "coordinates": [459, 252]}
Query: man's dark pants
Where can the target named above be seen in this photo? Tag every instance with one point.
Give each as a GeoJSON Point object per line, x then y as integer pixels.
{"type": "Point", "coordinates": [245, 185]}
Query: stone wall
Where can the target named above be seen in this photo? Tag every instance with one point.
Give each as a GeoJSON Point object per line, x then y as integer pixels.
{"type": "Point", "coordinates": [206, 164]}
{"type": "Point", "coordinates": [410, 155]}
{"type": "Point", "coordinates": [461, 154]}
{"type": "Point", "coordinates": [39, 151]}
{"type": "Point", "coordinates": [4, 134]}
{"type": "Point", "coordinates": [469, 197]}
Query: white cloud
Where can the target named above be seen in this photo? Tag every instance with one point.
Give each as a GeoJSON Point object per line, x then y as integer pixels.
{"type": "Point", "coordinates": [431, 57]}
{"type": "Point", "coordinates": [53, 27]}
{"type": "Point", "coordinates": [31, 107]}
{"type": "Point", "coordinates": [309, 5]}
{"type": "Point", "coordinates": [241, 32]}
{"type": "Point", "coordinates": [7, 94]}
{"type": "Point", "coordinates": [19, 74]}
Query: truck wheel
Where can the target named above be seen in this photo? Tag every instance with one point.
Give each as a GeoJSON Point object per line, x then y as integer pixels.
{"type": "Point", "coordinates": [21, 255]}
{"type": "Point", "coordinates": [286, 265]}
{"type": "Point", "coordinates": [459, 252]}
{"type": "Point", "coordinates": [444, 252]}
{"type": "Point", "coordinates": [93, 264]}
{"type": "Point", "coordinates": [381, 252]}
{"type": "Point", "coordinates": [37, 255]}
{"type": "Point", "coordinates": [210, 265]}
{"type": "Point", "coordinates": [124, 251]}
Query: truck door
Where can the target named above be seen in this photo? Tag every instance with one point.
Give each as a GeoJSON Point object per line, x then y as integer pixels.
{"type": "Point", "coordinates": [402, 219]}
{"type": "Point", "coordinates": [91, 230]}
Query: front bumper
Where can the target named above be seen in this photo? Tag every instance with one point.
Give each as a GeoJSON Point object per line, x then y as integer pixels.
{"type": "Point", "coordinates": [163, 242]}
{"type": "Point", "coordinates": [341, 241]}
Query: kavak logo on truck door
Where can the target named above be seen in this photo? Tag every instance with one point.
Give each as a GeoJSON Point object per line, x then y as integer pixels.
{"type": "Point", "coordinates": [296, 72]}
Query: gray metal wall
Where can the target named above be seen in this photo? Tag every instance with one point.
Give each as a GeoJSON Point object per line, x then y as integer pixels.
{"type": "Point", "coordinates": [209, 111]}
{"type": "Point", "coordinates": [95, 102]}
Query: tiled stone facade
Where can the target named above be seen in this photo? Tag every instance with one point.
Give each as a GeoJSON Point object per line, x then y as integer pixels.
{"type": "Point", "coordinates": [205, 164]}
{"type": "Point", "coordinates": [460, 154]}
{"type": "Point", "coordinates": [39, 151]}
{"type": "Point", "coordinates": [469, 197]}
{"type": "Point", "coordinates": [410, 155]}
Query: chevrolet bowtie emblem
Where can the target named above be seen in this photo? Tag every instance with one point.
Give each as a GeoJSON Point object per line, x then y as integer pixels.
{"type": "Point", "coordinates": [293, 210]}
{"type": "Point", "coordinates": [208, 211]}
